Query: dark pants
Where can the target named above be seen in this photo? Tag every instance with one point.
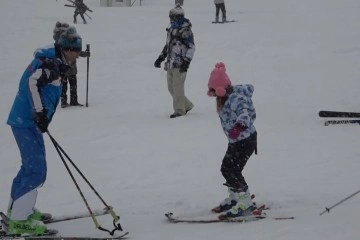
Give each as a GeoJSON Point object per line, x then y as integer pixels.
{"type": "Point", "coordinates": [73, 89]}
{"type": "Point", "coordinates": [81, 14]}
{"type": "Point", "coordinates": [235, 160]}
{"type": "Point", "coordinates": [220, 6]}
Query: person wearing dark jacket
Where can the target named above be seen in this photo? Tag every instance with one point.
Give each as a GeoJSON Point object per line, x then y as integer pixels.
{"type": "Point", "coordinates": [179, 51]}
{"type": "Point", "coordinates": [32, 111]}
{"type": "Point", "coordinates": [80, 8]}
{"type": "Point", "coordinates": [70, 76]}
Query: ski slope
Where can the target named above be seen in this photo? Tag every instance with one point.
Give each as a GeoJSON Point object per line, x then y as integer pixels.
{"type": "Point", "coordinates": [301, 57]}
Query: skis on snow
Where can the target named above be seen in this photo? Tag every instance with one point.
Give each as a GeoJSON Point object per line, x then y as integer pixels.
{"type": "Point", "coordinates": [56, 236]}
{"type": "Point", "coordinates": [175, 219]}
{"type": "Point", "coordinates": [123, 236]}
{"type": "Point", "coordinates": [250, 218]}
{"type": "Point", "coordinates": [333, 122]}
{"type": "Point", "coordinates": [257, 214]}
{"type": "Point", "coordinates": [69, 217]}
{"type": "Point", "coordinates": [337, 114]}
{"type": "Point", "coordinates": [221, 22]}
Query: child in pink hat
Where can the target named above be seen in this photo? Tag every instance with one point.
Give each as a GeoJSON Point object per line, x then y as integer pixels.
{"type": "Point", "coordinates": [237, 115]}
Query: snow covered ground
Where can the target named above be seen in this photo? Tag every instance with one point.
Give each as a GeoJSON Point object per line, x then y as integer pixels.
{"type": "Point", "coordinates": [301, 56]}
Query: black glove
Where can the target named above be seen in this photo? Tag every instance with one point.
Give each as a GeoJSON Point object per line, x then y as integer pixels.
{"type": "Point", "coordinates": [184, 66]}
{"type": "Point", "coordinates": [158, 62]}
{"type": "Point", "coordinates": [84, 54]}
{"type": "Point", "coordinates": [41, 120]}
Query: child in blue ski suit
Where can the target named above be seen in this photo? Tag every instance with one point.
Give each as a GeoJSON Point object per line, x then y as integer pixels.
{"type": "Point", "coordinates": [33, 108]}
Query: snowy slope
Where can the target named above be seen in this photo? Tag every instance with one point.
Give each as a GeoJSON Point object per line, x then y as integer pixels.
{"type": "Point", "coordinates": [301, 56]}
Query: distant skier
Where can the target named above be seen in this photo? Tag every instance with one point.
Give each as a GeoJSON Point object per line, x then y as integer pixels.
{"type": "Point", "coordinates": [80, 8]}
{"type": "Point", "coordinates": [33, 109]}
{"type": "Point", "coordinates": [237, 115]}
{"type": "Point", "coordinates": [220, 5]}
{"type": "Point", "coordinates": [179, 51]}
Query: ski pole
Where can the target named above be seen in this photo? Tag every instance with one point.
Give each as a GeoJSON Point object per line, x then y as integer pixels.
{"type": "Point", "coordinates": [116, 218]}
{"type": "Point", "coordinates": [327, 209]}
{"type": "Point", "coordinates": [87, 73]}
{"type": "Point", "coordinates": [88, 16]}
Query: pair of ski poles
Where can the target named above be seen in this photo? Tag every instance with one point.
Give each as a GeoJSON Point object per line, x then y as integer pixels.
{"type": "Point", "coordinates": [115, 217]}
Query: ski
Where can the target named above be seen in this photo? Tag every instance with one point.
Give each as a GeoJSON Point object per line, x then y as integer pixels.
{"type": "Point", "coordinates": [53, 235]}
{"type": "Point", "coordinates": [251, 218]}
{"type": "Point", "coordinates": [69, 217]}
{"type": "Point", "coordinates": [335, 114]}
{"type": "Point", "coordinates": [44, 237]}
{"type": "Point", "coordinates": [334, 122]}
{"type": "Point", "coordinates": [217, 22]}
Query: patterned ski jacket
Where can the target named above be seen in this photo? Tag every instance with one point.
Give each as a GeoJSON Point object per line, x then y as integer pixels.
{"type": "Point", "coordinates": [179, 46]}
{"type": "Point", "coordinates": [40, 87]}
{"type": "Point", "coordinates": [239, 108]}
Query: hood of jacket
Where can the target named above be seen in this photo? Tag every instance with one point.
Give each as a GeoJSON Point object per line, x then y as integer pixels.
{"type": "Point", "coordinates": [46, 52]}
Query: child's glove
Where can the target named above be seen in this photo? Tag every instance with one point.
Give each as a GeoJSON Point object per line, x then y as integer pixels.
{"type": "Point", "coordinates": [236, 130]}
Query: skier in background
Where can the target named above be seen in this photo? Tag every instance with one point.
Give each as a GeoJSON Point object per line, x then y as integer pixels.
{"type": "Point", "coordinates": [32, 111]}
{"type": "Point", "coordinates": [237, 115]}
{"type": "Point", "coordinates": [80, 8]}
{"type": "Point", "coordinates": [220, 5]}
{"type": "Point", "coordinates": [70, 76]}
{"type": "Point", "coordinates": [179, 51]}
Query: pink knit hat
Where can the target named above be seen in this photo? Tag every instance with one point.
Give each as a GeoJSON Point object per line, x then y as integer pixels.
{"type": "Point", "coordinates": [218, 80]}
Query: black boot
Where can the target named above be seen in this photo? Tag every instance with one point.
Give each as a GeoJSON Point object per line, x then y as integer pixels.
{"type": "Point", "coordinates": [64, 104]}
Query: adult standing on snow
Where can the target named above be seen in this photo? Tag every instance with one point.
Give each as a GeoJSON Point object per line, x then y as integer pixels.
{"type": "Point", "coordinates": [32, 111]}
{"type": "Point", "coordinates": [237, 115]}
{"type": "Point", "coordinates": [220, 5]}
{"type": "Point", "coordinates": [179, 51]}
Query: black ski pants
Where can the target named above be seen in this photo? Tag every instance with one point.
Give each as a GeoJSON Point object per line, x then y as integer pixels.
{"type": "Point", "coordinates": [220, 6]}
{"type": "Point", "coordinates": [77, 12]}
{"type": "Point", "coordinates": [73, 89]}
{"type": "Point", "coordinates": [235, 160]}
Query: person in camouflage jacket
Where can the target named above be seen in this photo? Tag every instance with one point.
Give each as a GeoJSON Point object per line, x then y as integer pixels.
{"type": "Point", "coordinates": [179, 51]}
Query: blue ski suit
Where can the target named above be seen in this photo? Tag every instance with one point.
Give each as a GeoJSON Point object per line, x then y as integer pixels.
{"type": "Point", "coordinates": [39, 88]}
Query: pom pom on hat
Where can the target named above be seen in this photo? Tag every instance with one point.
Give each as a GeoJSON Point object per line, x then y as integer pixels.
{"type": "Point", "coordinates": [59, 28]}
{"type": "Point", "coordinates": [218, 80]}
